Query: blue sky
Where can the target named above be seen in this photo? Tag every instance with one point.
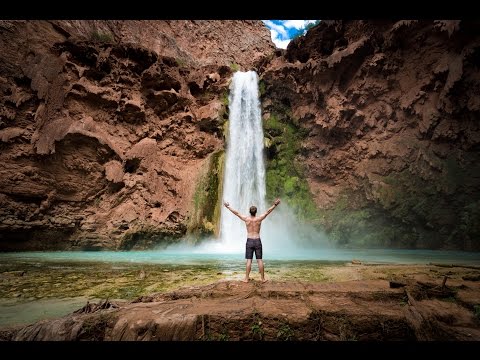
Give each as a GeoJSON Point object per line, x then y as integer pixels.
{"type": "Point", "coordinates": [284, 30]}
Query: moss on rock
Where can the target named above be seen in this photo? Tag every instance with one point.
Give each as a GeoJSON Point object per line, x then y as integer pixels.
{"type": "Point", "coordinates": [205, 219]}
{"type": "Point", "coordinates": [407, 211]}
{"type": "Point", "coordinates": [146, 236]}
{"type": "Point", "coordinates": [284, 175]}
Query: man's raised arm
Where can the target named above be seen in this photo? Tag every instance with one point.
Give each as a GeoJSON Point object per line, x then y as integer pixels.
{"type": "Point", "coordinates": [227, 205]}
{"type": "Point", "coordinates": [275, 204]}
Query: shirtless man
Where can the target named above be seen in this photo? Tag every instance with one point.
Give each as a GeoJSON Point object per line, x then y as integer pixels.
{"type": "Point", "coordinates": [254, 243]}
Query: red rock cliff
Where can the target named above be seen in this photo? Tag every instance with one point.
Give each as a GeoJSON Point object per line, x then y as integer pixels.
{"type": "Point", "coordinates": [106, 125]}
{"type": "Point", "coordinates": [390, 114]}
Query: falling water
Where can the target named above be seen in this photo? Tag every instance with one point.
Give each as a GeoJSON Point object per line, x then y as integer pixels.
{"type": "Point", "coordinates": [244, 182]}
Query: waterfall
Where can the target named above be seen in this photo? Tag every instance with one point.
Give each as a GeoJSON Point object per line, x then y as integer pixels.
{"type": "Point", "coordinates": [244, 176]}
{"type": "Point", "coordinates": [244, 185]}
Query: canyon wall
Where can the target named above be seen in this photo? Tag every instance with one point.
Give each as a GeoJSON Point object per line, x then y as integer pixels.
{"type": "Point", "coordinates": [106, 127]}
{"type": "Point", "coordinates": [384, 118]}
{"type": "Point", "coordinates": [112, 132]}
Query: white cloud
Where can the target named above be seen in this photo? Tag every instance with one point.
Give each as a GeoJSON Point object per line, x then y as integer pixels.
{"type": "Point", "coordinates": [278, 28]}
{"type": "Point", "coordinates": [280, 32]}
{"type": "Point", "coordinates": [297, 24]}
{"type": "Point", "coordinates": [279, 43]}
{"type": "Point", "coordinates": [282, 44]}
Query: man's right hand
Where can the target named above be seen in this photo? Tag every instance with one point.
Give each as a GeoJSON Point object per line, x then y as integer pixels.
{"type": "Point", "coordinates": [226, 204]}
{"type": "Point", "coordinates": [277, 202]}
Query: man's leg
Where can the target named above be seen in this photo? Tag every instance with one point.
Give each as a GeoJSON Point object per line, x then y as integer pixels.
{"type": "Point", "coordinates": [261, 269]}
{"type": "Point", "coordinates": [249, 267]}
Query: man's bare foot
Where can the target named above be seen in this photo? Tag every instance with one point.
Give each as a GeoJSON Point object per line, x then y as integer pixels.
{"type": "Point", "coordinates": [264, 280]}
{"type": "Point", "coordinates": [245, 280]}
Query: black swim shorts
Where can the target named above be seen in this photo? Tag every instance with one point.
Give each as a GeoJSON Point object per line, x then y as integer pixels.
{"type": "Point", "coordinates": [253, 244]}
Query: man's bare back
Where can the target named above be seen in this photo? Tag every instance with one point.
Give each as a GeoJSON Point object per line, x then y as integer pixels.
{"type": "Point", "coordinates": [254, 223]}
{"type": "Point", "coordinates": [254, 243]}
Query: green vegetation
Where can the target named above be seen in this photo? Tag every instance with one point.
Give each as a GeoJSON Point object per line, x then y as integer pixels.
{"type": "Point", "coordinates": [224, 113]}
{"type": "Point", "coordinates": [225, 129]}
{"type": "Point", "coordinates": [476, 311]}
{"type": "Point", "coordinates": [410, 198]}
{"type": "Point", "coordinates": [285, 333]}
{"type": "Point", "coordinates": [181, 62]}
{"type": "Point", "coordinates": [426, 208]}
{"type": "Point", "coordinates": [454, 177]}
{"type": "Point", "coordinates": [148, 236]}
{"type": "Point", "coordinates": [408, 211]}
{"type": "Point", "coordinates": [206, 96]}
{"type": "Point", "coordinates": [97, 280]}
{"type": "Point", "coordinates": [257, 331]}
{"type": "Point", "coordinates": [404, 210]}
{"type": "Point", "coordinates": [469, 224]}
{"type": "Point", "coordinates": [223, 336]}
{"type": "Point", "coordinates": [224, 99]}
{"type": "Point", "coordinates": [357, 227]}
{"type": "Point", "coordinates": [261, 88]}
{"type": "Point", "coordinates": [207, 206]}
{"type": "Point", "coordinates": [354, 221]}
{"type": "Point", "coordinates": [234, 67]}
{"type": "Point", "coordinates": [284, 177]}
{"type": "Point", "coordinates": [101, 37]}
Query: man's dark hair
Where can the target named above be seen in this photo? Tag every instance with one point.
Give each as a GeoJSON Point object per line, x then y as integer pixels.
{"type": "Point", "coordinates": [253, 210]}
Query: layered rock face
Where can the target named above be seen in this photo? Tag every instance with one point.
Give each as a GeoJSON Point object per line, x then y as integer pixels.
{"type": "Point", "coordinates": [111, 132]}
{"type": "Point", "coordinates": [106, 125]}
{"type": "Point", "coordinates": [190, 42]}
{"type": "Point", "coordinates": [387, 114]}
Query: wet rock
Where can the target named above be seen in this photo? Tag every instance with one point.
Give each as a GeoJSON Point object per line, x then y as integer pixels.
{"type": "Point", "coordinates": [186, 314]}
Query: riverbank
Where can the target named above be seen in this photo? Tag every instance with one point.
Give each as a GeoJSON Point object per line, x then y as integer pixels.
{"type": "Point", "coordinates": [352, 301]}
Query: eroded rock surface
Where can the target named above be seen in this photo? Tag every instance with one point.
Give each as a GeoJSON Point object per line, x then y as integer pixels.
{"type": "Point", "coordinates": [105, 125]}
{"type": "Point", "coordinates": [366, 310]}
{"type": "Point", "coordinates": [389, 114]}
